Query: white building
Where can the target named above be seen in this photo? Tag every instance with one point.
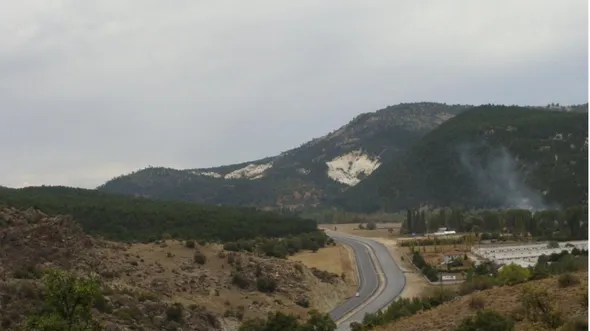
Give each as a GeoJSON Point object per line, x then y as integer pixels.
{"type": "Point", "coordinates": [524, 255]}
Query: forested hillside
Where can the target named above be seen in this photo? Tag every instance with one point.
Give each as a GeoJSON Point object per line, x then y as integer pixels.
{"type": "Point", "coordinates": [489, 156]}
{"type": "Point", "coordinates": [305, 176]}
{"type": "Point", "coordinates": [125, 218]}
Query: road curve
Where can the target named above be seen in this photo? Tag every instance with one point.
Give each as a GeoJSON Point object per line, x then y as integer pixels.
{"type": "Point", "coordinates": [375, 293]}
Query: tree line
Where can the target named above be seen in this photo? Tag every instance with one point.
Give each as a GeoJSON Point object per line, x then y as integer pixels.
{"type": "Point", "coordinates": [125, 218]}
{"type": "Point", "coordinates": [570, 223]}
{"type": "Point", "coordinates": [281, 247]}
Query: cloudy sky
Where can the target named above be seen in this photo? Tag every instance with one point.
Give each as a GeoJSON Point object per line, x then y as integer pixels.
{"type": "Point", "coordinates": [93, 89]}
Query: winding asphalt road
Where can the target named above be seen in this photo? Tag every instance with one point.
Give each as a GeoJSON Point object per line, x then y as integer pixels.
{"type": "Point", "coordinates": [379, 283]}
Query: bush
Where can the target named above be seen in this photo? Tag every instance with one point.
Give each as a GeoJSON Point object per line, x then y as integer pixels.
{"type": "Point", "coordinates": [240, 280]}
{"type": "Point", "coordinates": [101, 304]}
{"type": "Point", "coordinates": [303, 302]}
{"type": "Point", "coordinates": [512, 274]}
{"type": "Point", "coordinates": [537, 307]}
{"type": "Point", "coordinates": [200, 258]}
{"type": "Point", "coordinates": [567, 280]}
{"type": "Point", "coordinates": [371, 226]}
{"type": "Point", "coordinates": [28, 272]}
{"type": "Point", "coordinates": [404, 307]}
{"type": "Point", "coordinates": [486, 320]}
{"type": "Point", "coordinates": [478, 283]}
{"type": "Point", "coordinates": [174, 313]}
{"type": "Point", "coordinates": [575, 324]}
{"type": "Point", "coordinates": [476, 302]}
{"type": "Point", "coordinates": [63, 289]}
{"type": "Point", "coordinates": [190, 244]}
{"type": "Point", "coordinates": [266, 285]}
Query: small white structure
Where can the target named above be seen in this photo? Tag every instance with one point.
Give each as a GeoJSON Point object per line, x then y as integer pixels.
{"type": "Point", "coordinates": [444, 233]}
{"type": "Point", "coordinates": [452, 256]}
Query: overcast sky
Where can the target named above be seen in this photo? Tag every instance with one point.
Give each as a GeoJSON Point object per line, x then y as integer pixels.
{"type": "Point", "coordinates": [93, 89]}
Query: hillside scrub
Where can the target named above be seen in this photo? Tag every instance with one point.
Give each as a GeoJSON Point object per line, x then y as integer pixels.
{"type": "Point", "coordinates": [125, 218]}
{"type": "Point", "coordinates": [533, 305]}
{"type": "Point", "coordinates": [509, 275]}
{"type": "Point", "coordinates": [402, 307]}
{"type": "Point", "coordinates": [486, 320]}
{"type": "Point", "coordinates": [142, 283]}
{"type": "Point", "coordinates": [287, 322]}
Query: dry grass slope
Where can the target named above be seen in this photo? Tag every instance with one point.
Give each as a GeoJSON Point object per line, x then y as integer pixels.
{"type": "Point", "coordinates": [505, 300]}
{"type": "Point", "coordinates": [141, 281]}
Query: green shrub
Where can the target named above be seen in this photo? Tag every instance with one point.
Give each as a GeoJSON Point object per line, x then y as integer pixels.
{"type": "Point", "coordinates": [175, 313]}
{"type": "Point", "coordinates": [303, 302]}
{"type": "Point", "coordinates": [200, 258]}
{"type": "Point", "coordinates": [266, 284]}
{"type": "Point", "coordinates": [28, 272]}
{"type": "Point", "coordinates": [576, 324]}
{"type": "Point", "coordinates": [476, 302]}
{"type": "Point", "coordinates": [486, 320]}
{"type": "Point", "coordinates": [240, 280]}
{"type": "Point", "coordinates": [567, 280]}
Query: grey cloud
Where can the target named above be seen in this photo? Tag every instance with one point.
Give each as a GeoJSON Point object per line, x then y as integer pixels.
{"type": "Point", "coordinates": [89, 90]}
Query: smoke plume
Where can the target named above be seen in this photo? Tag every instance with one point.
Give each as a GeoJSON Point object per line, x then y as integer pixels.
{"type": "Point", "coordinates": [495, 173]}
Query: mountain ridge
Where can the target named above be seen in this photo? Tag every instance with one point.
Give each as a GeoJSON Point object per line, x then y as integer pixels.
{"type": "Point", "coordinates": [307, 175]}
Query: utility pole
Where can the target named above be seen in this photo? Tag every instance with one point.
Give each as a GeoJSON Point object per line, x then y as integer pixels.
{"type": "Point", "coordinates": [440, 280]}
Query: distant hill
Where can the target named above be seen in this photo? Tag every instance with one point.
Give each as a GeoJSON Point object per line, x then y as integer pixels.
{"type": "Point", "coordinates": [309, 175]}
{"type": "Point", "coordinates": [489, 156]}
{"type": "Point", "coordinates": [125, 218]}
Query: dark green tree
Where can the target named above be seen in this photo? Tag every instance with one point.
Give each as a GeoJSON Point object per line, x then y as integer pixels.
{"type": "Point", "coordinates": [486, 320]}
{"type": "Point", "coordinates": [69, 300]}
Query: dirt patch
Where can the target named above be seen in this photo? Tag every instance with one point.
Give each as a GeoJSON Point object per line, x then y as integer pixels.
{"type": "Point", "coordinates": [337, 259]}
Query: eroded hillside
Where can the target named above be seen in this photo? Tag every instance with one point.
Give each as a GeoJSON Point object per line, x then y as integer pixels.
{"type": "Point", "coordinates": [216, 289]}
